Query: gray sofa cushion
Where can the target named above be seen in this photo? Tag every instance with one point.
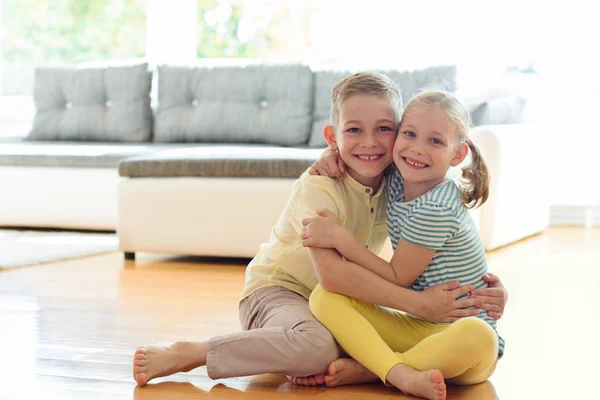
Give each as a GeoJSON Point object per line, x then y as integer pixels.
{"type": "Point", "coordinates": [243, 104]}
{"type": "Point", "coordinates": [73, 154]}
{"type": "Point", "coordinates": [498, 111]}
{"type": "Point", "coordinates": [110, 103]}
{"type": "Point", "coordinates": [410, 83]}
{"type": "Point", "coordinates": [222, 161]}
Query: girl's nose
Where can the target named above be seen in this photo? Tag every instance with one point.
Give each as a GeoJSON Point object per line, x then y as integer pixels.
{"type": "Point", "coordinates": [417, 150]}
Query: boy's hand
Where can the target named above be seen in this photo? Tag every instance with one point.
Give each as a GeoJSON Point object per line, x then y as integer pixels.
{"type": "Point", "coordinates": [328, 164]}
{"type": "Point", "coordinates": [322, 231]}
{"type": "Point", "coordinates": [439, 304]}
{"type": "Point", "coordinates": [494, 296]}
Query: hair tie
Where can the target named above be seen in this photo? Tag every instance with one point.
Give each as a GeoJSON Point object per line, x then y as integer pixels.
{"type": "Point", "coordinates": [469, 143]}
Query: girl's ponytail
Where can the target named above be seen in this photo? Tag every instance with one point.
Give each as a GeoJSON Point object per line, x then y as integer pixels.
{"type": "Point", "coordinates": [476, 179]}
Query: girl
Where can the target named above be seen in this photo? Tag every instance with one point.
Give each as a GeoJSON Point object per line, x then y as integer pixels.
{"type": "Point", "coordinates": [434, 241]}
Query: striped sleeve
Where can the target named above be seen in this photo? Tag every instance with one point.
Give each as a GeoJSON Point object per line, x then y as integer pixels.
{"type": "Point", "coordinates": [394, 183]}
{"type": "Point", "coordinates": [429, 225]}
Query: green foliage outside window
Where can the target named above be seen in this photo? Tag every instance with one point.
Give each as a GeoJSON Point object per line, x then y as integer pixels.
{"type": "Point", "coordinates": [37, 32]}
{"type": "Point", "coordinates": [221, 40]}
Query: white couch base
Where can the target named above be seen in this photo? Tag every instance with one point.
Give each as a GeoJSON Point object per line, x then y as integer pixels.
{"type": "Point", "coordinates": [228, 217]}
{"type": "Point", "coordinates": [72, 198]}
{"type": "Point", "coordinates": [519, 201]}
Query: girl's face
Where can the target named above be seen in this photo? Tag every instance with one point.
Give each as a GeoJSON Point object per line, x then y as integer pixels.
{"type": "Point", "coordinates": [427, 145]}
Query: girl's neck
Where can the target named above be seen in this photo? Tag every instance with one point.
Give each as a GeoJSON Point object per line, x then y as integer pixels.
{"type": "Point", "coordinates": [414, 190]}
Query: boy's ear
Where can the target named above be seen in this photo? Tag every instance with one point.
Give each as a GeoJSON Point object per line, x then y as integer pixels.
{"type": "Point", "coordinates": [329, 133]}
{"type": "Point", "coordinates": [461, 154]}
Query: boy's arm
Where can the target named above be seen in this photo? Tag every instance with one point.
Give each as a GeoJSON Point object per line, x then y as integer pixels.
{"type": "Point", "coordinates": [436, 304]}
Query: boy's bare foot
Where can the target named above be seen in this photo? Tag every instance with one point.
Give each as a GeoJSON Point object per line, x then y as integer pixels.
{"type": "Point", "coordinates": [154, 361]}
{"type": "Point", "coordinates": [312, 380]}
{"type": "Point", "coordinates": [343, 371]}
{"type": "Point", "coordinates": [348, 371]}
{"type": "Point", "coordinates": [427, 384]}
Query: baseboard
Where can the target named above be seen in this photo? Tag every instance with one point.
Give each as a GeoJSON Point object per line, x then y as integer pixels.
{"type": "Point", "coordinates": [573, 215]}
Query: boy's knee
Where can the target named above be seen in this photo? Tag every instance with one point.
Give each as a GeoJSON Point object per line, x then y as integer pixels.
{"type": "Point", "coordinates": [316, 348]}
{"type": "Point", "coordinates": [318, 358]}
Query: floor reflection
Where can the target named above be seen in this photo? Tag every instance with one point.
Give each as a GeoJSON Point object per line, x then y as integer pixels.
{"type": "Point", "coordinates": [266, 386]}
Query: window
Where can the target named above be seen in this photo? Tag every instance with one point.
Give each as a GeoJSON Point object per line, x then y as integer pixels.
{"type": "Point", "coordinates": [38, 32]}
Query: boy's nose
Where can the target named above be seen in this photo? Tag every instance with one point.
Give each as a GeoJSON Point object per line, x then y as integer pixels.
{"type": "Point", "coordinates": [369, 141]}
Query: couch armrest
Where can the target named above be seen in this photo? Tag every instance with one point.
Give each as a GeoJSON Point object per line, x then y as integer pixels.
{"type": "Point", "coordinates": [518, 205]}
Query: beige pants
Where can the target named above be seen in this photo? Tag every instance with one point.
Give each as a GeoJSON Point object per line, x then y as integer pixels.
{"type": "Point", "coordinates": [281, 336]}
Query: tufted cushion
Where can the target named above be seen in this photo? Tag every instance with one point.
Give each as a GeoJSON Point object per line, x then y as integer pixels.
{"type": "Point", "coordinates": [110, 103]}
{"type": "Point", "coordinates": [242, 104]}
{"type": "Point", "coordinates": [410, 83]}
{"type": "Point", "coordinates": [218, 160]}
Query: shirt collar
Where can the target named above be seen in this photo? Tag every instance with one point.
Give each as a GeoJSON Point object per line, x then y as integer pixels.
{"type": "Point", "coordinates": [360, 188]}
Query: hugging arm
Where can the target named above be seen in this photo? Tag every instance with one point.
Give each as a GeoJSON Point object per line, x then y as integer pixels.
{"type": "Point", "coordinates": [436, 304]}
{"type": "Point", "coordinates": [328, 164]}
{"type": "Point", "coordinates": [408, 262]}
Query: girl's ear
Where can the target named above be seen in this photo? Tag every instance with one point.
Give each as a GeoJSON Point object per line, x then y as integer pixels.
{"type": "Point", "coordinates": [461, 154]}
{"type": "Point", "coordinates": [329, 133]}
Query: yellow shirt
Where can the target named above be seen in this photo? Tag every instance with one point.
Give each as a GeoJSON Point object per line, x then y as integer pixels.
{"type": "Point", "coordinates": [283, 261]}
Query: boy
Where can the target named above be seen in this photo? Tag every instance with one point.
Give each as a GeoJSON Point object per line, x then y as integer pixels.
{"type": "Point", "coordinates": [280, 333]}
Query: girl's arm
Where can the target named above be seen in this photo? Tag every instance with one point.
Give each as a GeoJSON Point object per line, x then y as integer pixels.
{"type": "Point", "coordinates": [328, 164]}
{"type": "Point", "coordinates": [408, 262]}
{"type": "Point", "coordinates": [436, 304]}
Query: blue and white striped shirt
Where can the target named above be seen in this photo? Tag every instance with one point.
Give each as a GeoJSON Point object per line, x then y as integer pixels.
{"type": "Point", "coordinates": [438, 220]}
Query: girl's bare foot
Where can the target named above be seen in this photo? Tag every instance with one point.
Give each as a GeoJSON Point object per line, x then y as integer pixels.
{"type": "Point", "coordinates": [348, 371]}
{"type": "Point", "coordinates": [154, 361]}
{"type": "Point", "coordinates": [427, 384]}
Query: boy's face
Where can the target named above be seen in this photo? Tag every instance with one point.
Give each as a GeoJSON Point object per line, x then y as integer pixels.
{"type": "Point", "coordinates": [365, 137]}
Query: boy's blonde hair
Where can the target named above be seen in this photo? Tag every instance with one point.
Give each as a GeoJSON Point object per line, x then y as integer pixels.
{"type": "Point", "coordinates": [475, 176]}
{"type": "Point", "coordinates": [365, 83]}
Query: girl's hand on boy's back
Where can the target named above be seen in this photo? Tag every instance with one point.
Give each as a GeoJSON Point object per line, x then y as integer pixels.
{"type": "Point", "coordinates": [322, 231]}
{"type": "Point", "coordinates": [328, 164]}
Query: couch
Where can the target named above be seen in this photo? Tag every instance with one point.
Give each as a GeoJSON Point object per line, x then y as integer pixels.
{"type": "Point", "coordinates": [200, 160]}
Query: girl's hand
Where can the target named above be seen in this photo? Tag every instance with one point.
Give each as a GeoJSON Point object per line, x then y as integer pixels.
{"type": "Point", "coordinates": [322, 231]}
{"type": "Point", "coordinates": [494, 296]}
{"type": "Point", "coordinates": [328, 164]}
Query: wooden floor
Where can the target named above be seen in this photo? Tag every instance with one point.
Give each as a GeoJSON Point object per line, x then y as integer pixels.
{"type": "Point", "coordinates": [68, 330]}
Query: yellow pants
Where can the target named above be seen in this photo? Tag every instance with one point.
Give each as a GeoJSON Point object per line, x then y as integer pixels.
{"type": "Point", "coordinates": [466, 351]}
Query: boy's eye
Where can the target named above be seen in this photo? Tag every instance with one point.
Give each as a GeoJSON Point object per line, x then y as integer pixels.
{"type": "Point", "coordinates": [385, 128]}
{"type": "Point", "coordinates": [354, 130]}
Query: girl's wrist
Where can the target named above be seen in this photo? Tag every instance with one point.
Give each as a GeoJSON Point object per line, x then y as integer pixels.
{"type": "Point", "coordinates": [343, 238]}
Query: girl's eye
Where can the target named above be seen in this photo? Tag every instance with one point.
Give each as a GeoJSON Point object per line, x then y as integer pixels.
{"type": "Point", "coordinates": [409, 133]}
{"type": "Point", "coordinates": [436, 141]}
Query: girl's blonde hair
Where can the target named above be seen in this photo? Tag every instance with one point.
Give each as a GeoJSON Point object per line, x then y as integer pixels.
{"type": "Point", "coordinates": [475, 176]}
{"type": "Point", "coordinates": [369, 83]}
